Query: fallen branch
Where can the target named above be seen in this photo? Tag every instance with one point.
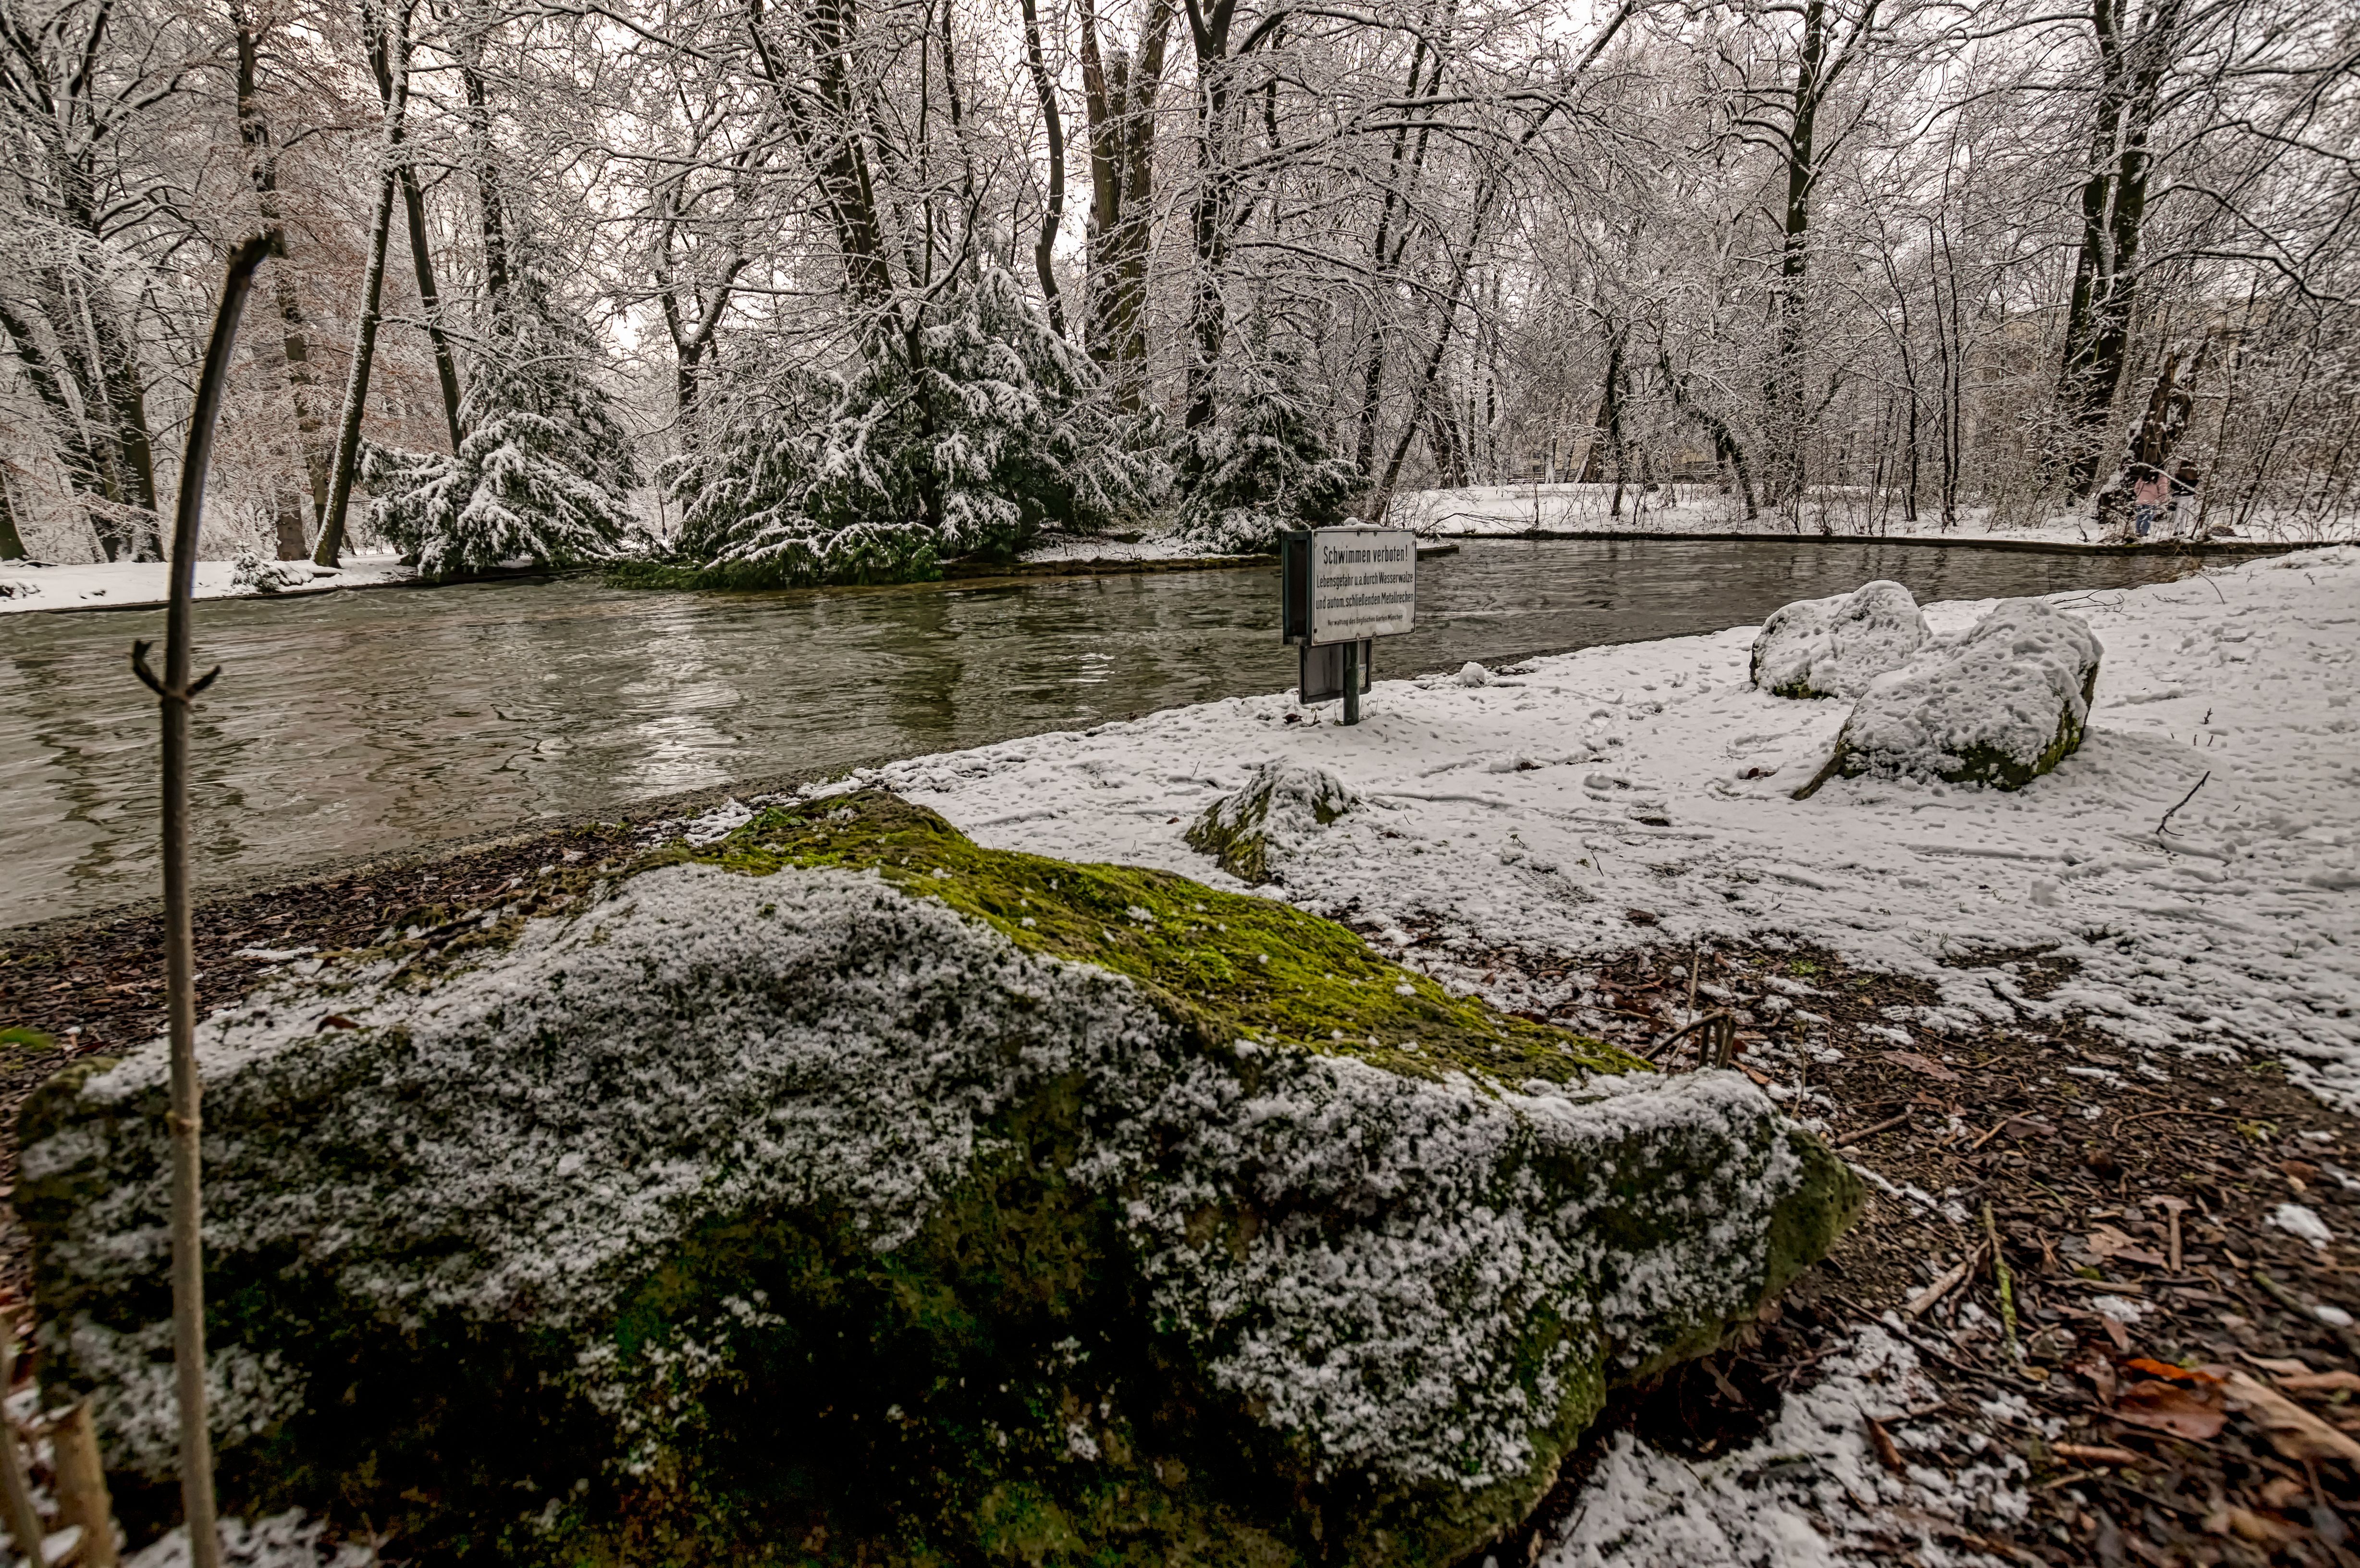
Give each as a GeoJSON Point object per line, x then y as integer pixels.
{"type": "Point", "coordinates": [1868, 1132]}
{"type": "Point", "coordinates": [1942, 1286]}
{"type": "Point", "coordinates": [2164, 826]}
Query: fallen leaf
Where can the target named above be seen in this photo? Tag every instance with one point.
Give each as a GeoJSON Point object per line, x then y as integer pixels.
{"type": "Point", "coordinates": [2293, 1430]}
{"type": "Point", "coordinates": [1887, 1455]}
{"type": "Point", "coordinates": [337, 1020]}
{"type": "Point", "coordinates": [2178, 1374]}
{"type": "Point", "coordinates": [1920, 1063]}
{"type": "Point", "coordinates": [2262, 1529]}
{"type": "Point", "coordinates": [2106, 1241]}
{"type": "Point", "coordinates": [2198, 1413]}
{"type": "Point", "coordinates": [2280, 1365]}
{"type": "Point", "coordinates": [2099, 1373]}
{"type": "Point", "coordinates": [2310, 1382]}
{"type": "Point", "coordinates": [2280, 1491]}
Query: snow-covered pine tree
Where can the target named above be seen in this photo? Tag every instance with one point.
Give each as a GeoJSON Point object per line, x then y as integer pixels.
{"type": "Point", "coordinates": [1263, 469]}
{"type": "Point", "coordinates": [986, 431]}
{"type": "Point", "coordinates": [545, 470]}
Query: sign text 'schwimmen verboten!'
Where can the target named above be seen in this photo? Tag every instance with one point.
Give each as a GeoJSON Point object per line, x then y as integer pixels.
{"type": "Point", "coordinates": [1363, 584]}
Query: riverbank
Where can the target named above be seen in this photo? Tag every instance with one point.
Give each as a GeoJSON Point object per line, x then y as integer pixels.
{"type": "Point", "coordinates": [139, 584]}
{"type": "Point", "coordinates": [1702, 511]}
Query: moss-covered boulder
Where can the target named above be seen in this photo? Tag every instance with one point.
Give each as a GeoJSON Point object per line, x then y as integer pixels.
{"type": "Point", "coordinates": [845, 1193]}
{"type": "Point", "coordinates": [1835, 647]}
{"type": "Point", "coordinates": [1999, 706]}
{"type": "Point", "coordinates": [1278, 811]}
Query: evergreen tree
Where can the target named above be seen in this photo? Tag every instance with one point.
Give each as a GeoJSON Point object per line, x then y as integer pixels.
{"type": "Point", "coordinates": [1263, 469]}
{"type": "Point", "coordinates": [544, 469]}
{"type": "Point", "coordinates": [966, 437]}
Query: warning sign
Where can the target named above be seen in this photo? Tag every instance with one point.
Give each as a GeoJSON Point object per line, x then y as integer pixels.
{"type": "Point", "coordinates": [1363, 584]}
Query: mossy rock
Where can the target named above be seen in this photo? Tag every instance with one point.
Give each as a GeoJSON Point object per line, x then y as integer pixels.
{"type": "Point", "coordinates": [1251, 830]}
{"type": "Point", "coordinates": [1835, 647]}
{"type": "Point", "coordinates": [844, 1191]}
{"type": "Point", "coordinates": [1998, 706]}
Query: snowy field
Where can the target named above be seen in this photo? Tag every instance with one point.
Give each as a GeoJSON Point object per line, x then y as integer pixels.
{"type": "Point", "coordinates": [1702, 508]}
{"type": "Point", "coordinates": [105, 585]}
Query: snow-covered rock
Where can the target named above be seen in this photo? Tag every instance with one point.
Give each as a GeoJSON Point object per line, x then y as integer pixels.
{"type": "Point", "coordinates": [251, 570]}
{"type": "Point", "coordinates": [851, 1178]}
{"type": "Point", "coordinates": [1835, 647]}
{"type": "Point", "coordinates": [1251, 831]}
{"type": "Point", "coordinates": [2001, 705]}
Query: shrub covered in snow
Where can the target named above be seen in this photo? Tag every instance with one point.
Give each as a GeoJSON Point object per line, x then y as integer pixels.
{"type": "Point", "coordinates": [545, 470]}
{"type": "Point", "coordinates": [1265, 468]}
{"type": "Point", "coordinates": [969, 437]}
{"type": "Point", "coordinates": [250, 571]}
{"type": "Point", "coordinates": [1835, 647]}
{"type": "Point", "coordinates": [2000, 706]}
{"type": "Point", "coordinates": [1273, 815]}
{"type": "Point", "coordinates": [852, 1184]}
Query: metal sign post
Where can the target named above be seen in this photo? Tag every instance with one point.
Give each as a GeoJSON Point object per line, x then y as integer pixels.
{"type": "Point", "coordinates": [1340, 589]}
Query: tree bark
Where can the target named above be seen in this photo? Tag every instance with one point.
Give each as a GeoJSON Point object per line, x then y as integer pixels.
{"type": "Point", "coordinates": [2113, 211]}
{"type": "Point", "coordinates": [1052, 213]}
{"type": "Point", "coordinates": [389, 46]}
{"type": "Point", "coordinates": [1119, 93]}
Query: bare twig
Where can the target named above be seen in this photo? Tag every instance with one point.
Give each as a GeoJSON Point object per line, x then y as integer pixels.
{"type": "Point", "coordinates": [1860, 1134]}
{"type": "Point", "coordinates": [2165, 826]}
{"type": "Point", "coordinates": [175, 692]}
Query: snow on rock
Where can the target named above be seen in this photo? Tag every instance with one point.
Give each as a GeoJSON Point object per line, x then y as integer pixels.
{"type": "Point", "coordinates": [1474, 674]}
{"type": "Point", "coordinates": [1274, 816]}
{"type": "Point", "coordinates": [1835, 647]}
{"type": "Point", "coordinates": [2000, 706]}
{"type": "Point", "coordinates": [250, 571]}
{"type": "Point", "coordinates": [827, 1141]}
{"type": "Point", "coordinates": [1809, 1491]}
{"type": "Point", "coordinates": [1666, 784]}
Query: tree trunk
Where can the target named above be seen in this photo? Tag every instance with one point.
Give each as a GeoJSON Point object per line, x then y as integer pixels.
{"type": "Point", "coordinates": [12, 541]}
{"type": "Point", "coordinates": [1118, 100]}
{"type": "Point", "coordinates": [389, 58]}
{"type": "Point", "coordinates": [430, 300]}
{"type": "Point", "coordinates": [285, 363]}
{"type": "Point", "coordinates": [2113, 211]}
{"type": "Point", "coordinates": [1053, 213]}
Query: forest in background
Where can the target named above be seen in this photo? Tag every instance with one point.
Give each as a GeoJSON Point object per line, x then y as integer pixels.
{"type": "Point", "coordinates": [757, 292]}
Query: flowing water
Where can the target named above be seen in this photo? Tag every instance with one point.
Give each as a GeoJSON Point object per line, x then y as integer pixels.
{"type": "Point", "coordinates": [369, 722]}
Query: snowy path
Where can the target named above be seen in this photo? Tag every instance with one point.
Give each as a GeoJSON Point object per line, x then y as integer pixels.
{"type": "Point", "coordinates": [1540, 809]}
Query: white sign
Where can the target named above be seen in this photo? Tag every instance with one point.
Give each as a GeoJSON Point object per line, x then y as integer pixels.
{"type": "Point", "coordinates": [1363, 584]}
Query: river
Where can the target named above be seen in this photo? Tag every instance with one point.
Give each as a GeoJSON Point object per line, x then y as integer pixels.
{"type": "Point", "coordinates": [367, 722]}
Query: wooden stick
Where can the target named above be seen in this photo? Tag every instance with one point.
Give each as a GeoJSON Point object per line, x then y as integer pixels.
{"type": "Point", "coordinates": [15, 1491]}
{"type": "Point", "coordinates": [1942, 1286]}
{"type": "Point", "coordinates": [1862, 1133]}
{"type": "Point", "coordinates": [83, 1497]}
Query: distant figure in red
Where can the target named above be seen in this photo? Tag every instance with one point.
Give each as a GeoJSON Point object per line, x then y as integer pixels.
{"type": "Point", "coordinates": [2150, 492]}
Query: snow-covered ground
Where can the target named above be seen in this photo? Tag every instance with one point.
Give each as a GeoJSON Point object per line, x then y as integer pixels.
{"type": "Point", "coordinates": [1540, 809]}
{"type": "Point", "coordinates": [1150, 547]}
{"type": "Point", "coordinates": [88, 586]}
{"type": "Point", "coordinates": [1701, 508]}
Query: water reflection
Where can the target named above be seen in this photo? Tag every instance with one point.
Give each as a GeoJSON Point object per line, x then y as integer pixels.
{"type": "Point", "coordinates": [378, 721]}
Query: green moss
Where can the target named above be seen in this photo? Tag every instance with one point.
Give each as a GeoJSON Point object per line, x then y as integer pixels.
{"type": "Point", "coordinates": [1234, 965]}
